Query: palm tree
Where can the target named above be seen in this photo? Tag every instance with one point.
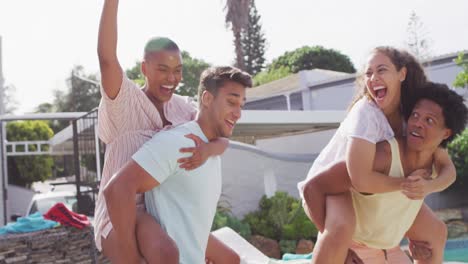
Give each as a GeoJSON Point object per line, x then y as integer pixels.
{"type": "Point", "coordinates": [237, 17]}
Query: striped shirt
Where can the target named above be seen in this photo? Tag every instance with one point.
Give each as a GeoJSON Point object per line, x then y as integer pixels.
{"type": "Point", "coordinates": [125, 123]}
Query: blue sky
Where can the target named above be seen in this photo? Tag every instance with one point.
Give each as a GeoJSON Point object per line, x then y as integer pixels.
{"type": "Point", "coordinates": [43, 40]}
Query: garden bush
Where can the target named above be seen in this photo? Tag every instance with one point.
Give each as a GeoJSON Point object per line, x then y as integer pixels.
{"type": "Point", "coordinates": [458, 150]}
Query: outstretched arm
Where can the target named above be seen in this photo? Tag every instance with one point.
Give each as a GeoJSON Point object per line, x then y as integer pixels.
{"type": "Point", "coordinates": [360, 157]}
{"type": "Point", "coordinates": [120, 195]}
{"type": "Point", "coordinates": [111, 72]}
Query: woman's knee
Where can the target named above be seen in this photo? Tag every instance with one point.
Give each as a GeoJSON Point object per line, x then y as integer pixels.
{"type": "Point", "coordinates": [310, 188]}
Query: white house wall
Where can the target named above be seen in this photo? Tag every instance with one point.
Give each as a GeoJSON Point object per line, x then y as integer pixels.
{"type": "Point", "coordinates": [247, 176]}
{"type": "Point", "coordinates": [444, 73]}
{"type": "Point", "coordinates": [299, 144]}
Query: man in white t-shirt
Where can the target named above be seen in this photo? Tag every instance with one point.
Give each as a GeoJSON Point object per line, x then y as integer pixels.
{"type": "Point", "coordinates": [183, 202]}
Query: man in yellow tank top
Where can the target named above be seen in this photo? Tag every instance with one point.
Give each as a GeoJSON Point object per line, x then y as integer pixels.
{"type": "Point", "coordinates": [383, 219]}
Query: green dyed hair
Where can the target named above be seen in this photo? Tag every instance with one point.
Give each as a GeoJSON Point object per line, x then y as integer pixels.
{"type": "Point", "coordinates": [159, 43]}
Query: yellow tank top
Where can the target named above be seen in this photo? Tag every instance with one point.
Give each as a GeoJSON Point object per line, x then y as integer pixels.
{"type": "Point", "coordinates": [382, 219]}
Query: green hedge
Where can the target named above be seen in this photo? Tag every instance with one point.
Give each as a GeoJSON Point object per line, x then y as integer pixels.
{"type": "Point", "coordinates": [458, 150]}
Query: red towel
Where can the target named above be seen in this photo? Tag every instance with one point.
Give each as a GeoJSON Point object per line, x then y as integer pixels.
{"type": "Point", "coordinates": [60, 213]}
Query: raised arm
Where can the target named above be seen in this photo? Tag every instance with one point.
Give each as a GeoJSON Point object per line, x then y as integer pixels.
{"type": "Point", "coordinates": [111, 72]}
{"type": "Point", "coordinates": [360, 156]}
{"type": "Point", "coordinates": [120, 195]}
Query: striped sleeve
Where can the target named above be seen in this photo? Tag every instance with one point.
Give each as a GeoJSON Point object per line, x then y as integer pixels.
{"type": "Point", "coordinates": [115, 114]}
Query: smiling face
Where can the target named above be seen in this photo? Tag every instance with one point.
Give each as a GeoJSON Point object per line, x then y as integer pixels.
{"type": "Point", "coordinates": [224, 108]}
{"type": "Point", "coordinates": [426, 126]}
{"type": "Point", "coordinates": [163, 71]}
{"type": "Point", "coordinates": [383, 82]}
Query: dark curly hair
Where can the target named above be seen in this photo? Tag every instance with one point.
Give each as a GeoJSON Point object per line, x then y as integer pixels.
{"type": "Point", "coordinates": [453, 106]}
{"type": "Point", "coordinates": [415, 76]}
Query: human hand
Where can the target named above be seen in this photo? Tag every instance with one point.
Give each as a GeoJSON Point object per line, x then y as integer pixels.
{"type": "Point", "coordinates": [199, 154]}
{"type": "Point", "coordinates": [420, 250]}
{"type": "Point", "coordinates": [416, 186]}
{"type": "Point", "coordinates": [353, 258]}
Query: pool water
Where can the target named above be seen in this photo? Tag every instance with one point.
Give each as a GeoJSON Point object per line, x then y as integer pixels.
{"type": "Point", "coordinates": [456, 250]}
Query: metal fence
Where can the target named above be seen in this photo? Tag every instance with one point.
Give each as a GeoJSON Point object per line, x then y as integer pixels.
{"type": "Point", "coordinates": [88, 158]}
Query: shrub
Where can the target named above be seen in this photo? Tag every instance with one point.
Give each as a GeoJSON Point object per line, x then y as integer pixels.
{"type": "Point", "coordinates": [223, 219]}
{"type": "Point", "coordinates": [458, 150]}
{"type": "Point", "coordinates": [280, 217]}
{"type": "Point", "coordinates": [287, 246]}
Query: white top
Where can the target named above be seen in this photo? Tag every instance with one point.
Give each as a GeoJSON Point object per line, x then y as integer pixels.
{"type": "Point", "coordinates": [365, 120]}
{"type": "Point", "coordinates": [185, 202]}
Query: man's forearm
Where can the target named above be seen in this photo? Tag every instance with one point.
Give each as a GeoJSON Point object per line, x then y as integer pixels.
{"type": "Point", "coordinates": [447, 173]}
{"type": "Point", "coordinates": [445, 178]}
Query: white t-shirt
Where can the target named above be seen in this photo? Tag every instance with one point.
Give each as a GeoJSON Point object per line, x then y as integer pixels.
{"type": "Point", "coordinates": [185, 202]}
{"type": "Point", "coordinates": [366, 121]}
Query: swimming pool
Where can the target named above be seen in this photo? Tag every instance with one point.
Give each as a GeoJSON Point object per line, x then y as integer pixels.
{"type": "Point", "coordinates": [456, 250]}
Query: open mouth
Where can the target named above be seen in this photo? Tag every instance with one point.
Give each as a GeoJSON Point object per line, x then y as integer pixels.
{"type": "Point", "coordinates": [380, 92]}
{"type": "Point", "coordinates": [230, 123]}
{"type": "Point", "coordinates": [167, 89]}
{"type": "Point", "coordinates": [416, 134]}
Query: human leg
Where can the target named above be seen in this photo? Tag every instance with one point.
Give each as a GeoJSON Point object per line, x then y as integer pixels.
{"type": "Point", "coordinates": [333, 180]}
{"type": "Point", "coordinates": [378, 256]}
{"type": "Point", "coordinates": [397, 256]}
{"type": "Point", "coordinates": [437, 236]}
{"type": "Point", "coordinates": [332, 245]}
{"type": "Point", "coordinates": [219, 253]}
{"type": "Point", "coordinates": [154, 243]}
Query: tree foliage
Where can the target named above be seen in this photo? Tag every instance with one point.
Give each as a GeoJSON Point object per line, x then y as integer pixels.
{"type": "Point", "coordinates": [237, 18]}
{"type": "Point", "coordinates": [305, 58]}
{"type": "Point", "coordinates": [458, 150]}
{"type": "Point", "coordinates": [8, 102]}
{"type": "Point", "coordinates": [270, 75]}
{"type": "Point", "coordinates": [418, 42]}
{"type": "Point", "coordinates": [461, 80]}
{"type": "Point", "coordinates": [191, 72]}
{"type": "Point", "coordinates": [253, 42]}
{"type": "Point", "coordinates": [82, 95]}
{"type": "Point", "coordinates": [24, 170]}
{"type": "Point", "coordinates": [135, 74]}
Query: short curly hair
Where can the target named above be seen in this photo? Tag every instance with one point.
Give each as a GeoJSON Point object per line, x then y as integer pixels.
{"type": "Point", "coordinates": [453, 106]}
